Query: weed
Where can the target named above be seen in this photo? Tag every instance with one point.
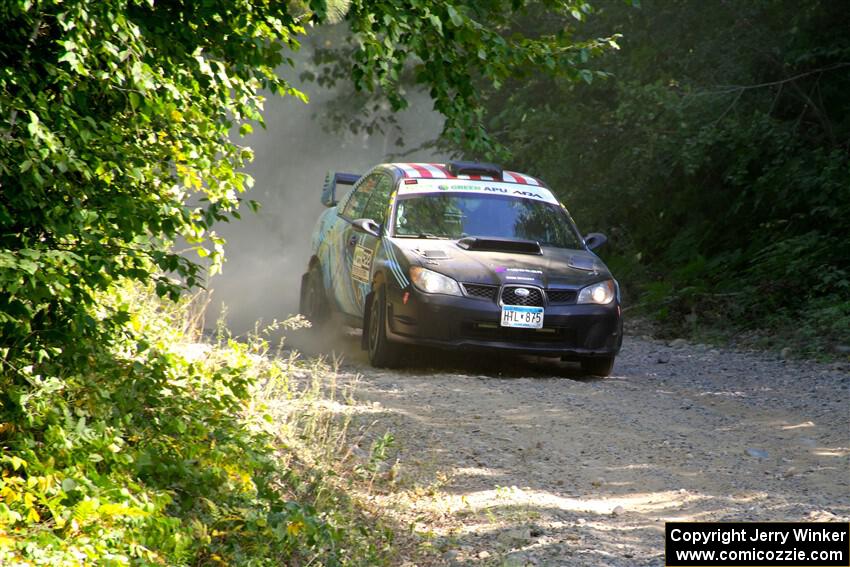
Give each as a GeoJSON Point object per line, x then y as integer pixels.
{"type": "Point", "coordinates": [169, 451]}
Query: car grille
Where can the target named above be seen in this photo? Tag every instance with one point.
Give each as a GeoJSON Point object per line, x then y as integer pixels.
{"type": "Point", "coordinates": [561, 296]}
{"type": "Point", "coordinates": [482, 291]}
{"type": "Point", "coordinates": [509, 296]}
{"type": "Point", "coordinates": [493, 332]}
{"type": "Point", "coordinates": [533, 299]}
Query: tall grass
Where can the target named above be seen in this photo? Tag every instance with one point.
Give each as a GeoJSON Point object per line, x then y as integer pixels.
{"type": "Point", "coordinates": [174, 451]}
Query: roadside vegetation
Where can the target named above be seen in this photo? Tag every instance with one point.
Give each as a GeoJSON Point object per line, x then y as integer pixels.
{"type": "Point", "coordinates": [717, 159]}
{"type": "Point", "coordinates": [170, 450]}
{"type": "Point", "coordinates": [714, 150]}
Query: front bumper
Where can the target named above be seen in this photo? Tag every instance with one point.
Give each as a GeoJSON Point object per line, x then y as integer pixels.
{"type": "Point", "coordinates": [469, 323]}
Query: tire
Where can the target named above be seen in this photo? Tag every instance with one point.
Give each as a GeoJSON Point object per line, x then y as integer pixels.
{"type": "Point", "coordinates": [598, 366]}
{"type": "Point", "coordinates": [382, 352]}
{"type": "Point", "coordinates": [314, 300]}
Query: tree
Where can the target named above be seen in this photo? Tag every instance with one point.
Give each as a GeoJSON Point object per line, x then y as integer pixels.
{"type": "Point", "coordinates": [116, 119]}
{"type": "Point", "coordinates": [716, 154]}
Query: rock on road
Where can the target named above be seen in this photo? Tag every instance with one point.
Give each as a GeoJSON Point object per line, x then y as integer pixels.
{"type": "Point", "coordinates": [522, 461]}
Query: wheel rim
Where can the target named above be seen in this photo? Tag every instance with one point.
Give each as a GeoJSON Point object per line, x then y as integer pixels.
{"type": "Point", "coordinates": [374, 323]}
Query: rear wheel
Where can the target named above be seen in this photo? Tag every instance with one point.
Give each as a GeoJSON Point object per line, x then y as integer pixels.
{"type": "Point", "coordinates": [382, 352]}
{"type": "Point", "coordinates": [598, 366]}
{"type": "Point", "coordinates": [314, 300]}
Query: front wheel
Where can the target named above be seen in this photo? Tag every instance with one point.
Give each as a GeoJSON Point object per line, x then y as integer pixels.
{"type": "Point", "coordinates": [598, 366]}
{"type": "Point", "coordinates": [382, 352]}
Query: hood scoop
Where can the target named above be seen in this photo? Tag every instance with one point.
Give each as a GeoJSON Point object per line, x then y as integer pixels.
{"type": "Point", "coordinates": [583, 263]}
{"type": "Point", "coordinates": [474, 243]}
{"type": "Point", "coordinates": [433, 254]}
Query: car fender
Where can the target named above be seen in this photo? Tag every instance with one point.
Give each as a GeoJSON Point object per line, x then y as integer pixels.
{"type": "Point", "coordinates": [320, 231]}
{"type": "Point", "coordinates": [393, 263]}
{"type": "Point", "coordinates": [381, 276]}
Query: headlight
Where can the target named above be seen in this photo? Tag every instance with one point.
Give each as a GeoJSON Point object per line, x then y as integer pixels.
{"type": "Point", "coordinates": [432, 282]}
{"type": "Point", "coordinates": [601, 293]}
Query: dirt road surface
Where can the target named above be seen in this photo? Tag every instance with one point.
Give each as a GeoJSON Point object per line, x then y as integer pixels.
{"type": "Point", "coordinates": [525, 461]}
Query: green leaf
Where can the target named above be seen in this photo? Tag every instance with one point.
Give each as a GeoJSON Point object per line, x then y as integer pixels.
{"type": "Point", "coordinates": [436, 23]}
{"type": "Point", "coordinates": [454, 16]}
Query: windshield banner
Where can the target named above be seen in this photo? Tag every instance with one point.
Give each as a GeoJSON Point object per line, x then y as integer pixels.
{"type": "Point", "coordinates": [474, 186]}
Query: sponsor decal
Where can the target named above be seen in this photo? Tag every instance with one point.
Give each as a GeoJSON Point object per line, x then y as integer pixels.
{"type": "Point", "coordinates": [503, 269]}
{"type": "Point", "coordinates": [432, 185]}
{"type": "Point", "coordinates": [361, 266]}
{"type": "Point", "coordinates": [491, 189]}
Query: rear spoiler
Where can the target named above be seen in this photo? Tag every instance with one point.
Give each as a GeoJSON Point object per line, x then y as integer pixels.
{"type": "Point", "coordinates": [332, 179]}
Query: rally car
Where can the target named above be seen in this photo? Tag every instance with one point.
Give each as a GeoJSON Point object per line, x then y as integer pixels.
{"type": "Point", "coordinates": [460, 255]}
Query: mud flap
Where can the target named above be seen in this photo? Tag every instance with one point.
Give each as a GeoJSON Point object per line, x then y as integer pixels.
{"type": "Point", "coordinates": [302, 300]}
{"type": "Point", "coordinates": [367, 309]}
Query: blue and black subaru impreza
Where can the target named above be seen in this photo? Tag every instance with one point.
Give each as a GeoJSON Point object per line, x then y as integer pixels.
{"type": "Point", "coordinates": [462, 256]}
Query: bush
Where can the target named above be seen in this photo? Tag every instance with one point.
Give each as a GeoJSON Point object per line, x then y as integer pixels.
{"type": "Point", "coordinates": [715, 155]}
{"type": "Point", "coordinates": [163, 452]}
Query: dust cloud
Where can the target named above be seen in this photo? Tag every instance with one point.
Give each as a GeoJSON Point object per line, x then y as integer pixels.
{"type": "Point", "coordinates": [267, 252]}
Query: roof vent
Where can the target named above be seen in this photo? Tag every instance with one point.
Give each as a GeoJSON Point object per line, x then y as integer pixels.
{"type": "Point", "coordinates": [434, 254]}
{"type": "Point", "coordinates": [458, 168]}
{"type": "Point", "coordinates": [583, 263]}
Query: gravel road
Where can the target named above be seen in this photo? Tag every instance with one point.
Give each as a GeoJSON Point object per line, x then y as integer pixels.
{"type": "Point", "coordinates": [525, 461]}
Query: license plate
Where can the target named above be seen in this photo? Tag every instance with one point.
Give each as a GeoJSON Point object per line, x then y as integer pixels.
{"type": "Point", "coordinates": [522, 317]}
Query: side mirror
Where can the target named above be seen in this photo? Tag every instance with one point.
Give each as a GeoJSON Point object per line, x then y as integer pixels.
{"type": "Point", "coordinates": [368, 226]}
{"type": "Point", "coordinates": [594, 240]}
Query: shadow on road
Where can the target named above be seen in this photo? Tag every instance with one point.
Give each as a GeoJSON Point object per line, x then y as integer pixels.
{"type": "Point", "coordinates": [344, 345]}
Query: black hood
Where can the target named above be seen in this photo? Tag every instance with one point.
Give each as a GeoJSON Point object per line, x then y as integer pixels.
{"type": "Point", "coordinates": [551, 268]}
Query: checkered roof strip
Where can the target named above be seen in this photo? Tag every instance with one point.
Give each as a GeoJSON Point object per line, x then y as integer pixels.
{"type": "Point", "coordinates": [439, 171]}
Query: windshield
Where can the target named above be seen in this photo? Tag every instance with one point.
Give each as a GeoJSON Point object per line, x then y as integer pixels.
{"type": "Point", "coordinates": [456, 215]}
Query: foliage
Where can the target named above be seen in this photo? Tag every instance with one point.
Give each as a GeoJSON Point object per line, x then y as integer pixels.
{"type": "Point", "coordinates": [716, 156]}
{"type": "Point", "coordinates": [162, 453]}
{"type": "Point", "coordinates": [117, 120]}
{"type": "Point", "coordinates": [112, 114]}
{"type": "Point", "coordinates": [447, 48]}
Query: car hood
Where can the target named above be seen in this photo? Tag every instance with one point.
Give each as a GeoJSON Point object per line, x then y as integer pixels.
{"type": "Point", "coordinates": [553, 268]}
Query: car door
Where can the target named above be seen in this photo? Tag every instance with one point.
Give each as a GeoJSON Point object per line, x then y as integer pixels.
{"type": "Point", "coordinates": [362, 247]}
{"type": "Point", "coordinates": [344, 244]}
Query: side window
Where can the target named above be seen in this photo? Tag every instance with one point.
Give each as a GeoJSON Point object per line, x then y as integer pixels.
{"type": "Point", "coordinates": [377, 207]}
{"type": "Point", "coordinates": [358, 199]}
